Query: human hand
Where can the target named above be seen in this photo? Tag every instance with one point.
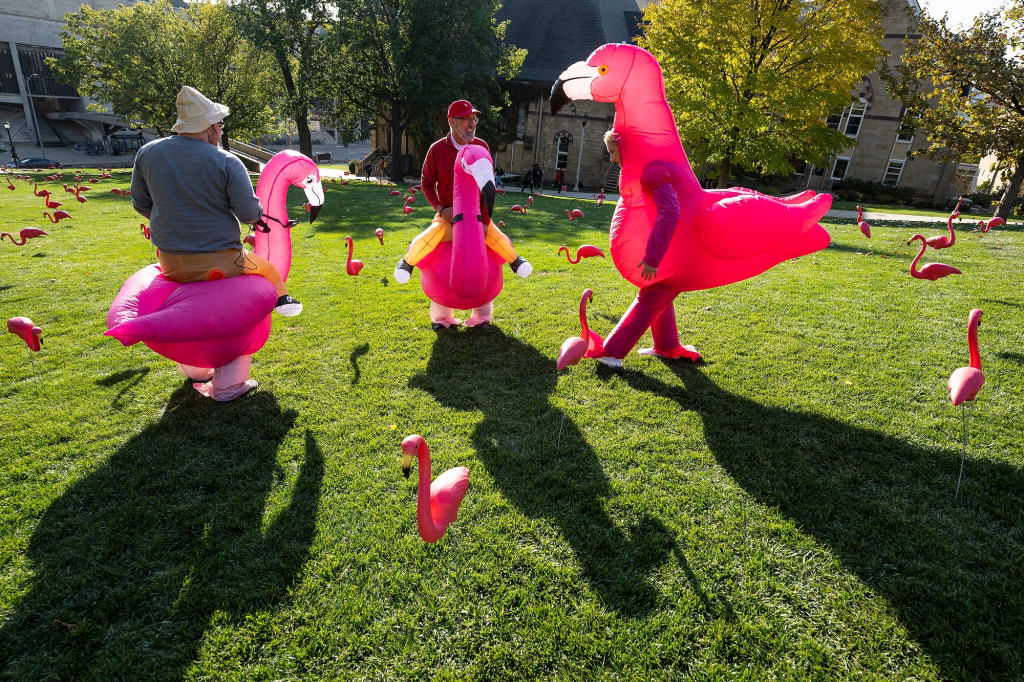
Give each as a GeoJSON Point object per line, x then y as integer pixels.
{"type": "Point", "coordinates": [648, 271]}
{"type": "Point", "coordinates": [446, 213]}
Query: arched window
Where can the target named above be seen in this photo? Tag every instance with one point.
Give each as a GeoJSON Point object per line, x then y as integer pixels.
{"type": "Point", "coordinates": [563, 138]}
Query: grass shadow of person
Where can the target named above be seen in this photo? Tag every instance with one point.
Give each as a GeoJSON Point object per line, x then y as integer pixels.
{"type": "Point", "coordinates": [950, 570]}
{"type": "Point", "coordinates": [482, 369]}
{"type": "Point", "coordinates": [133, 560]}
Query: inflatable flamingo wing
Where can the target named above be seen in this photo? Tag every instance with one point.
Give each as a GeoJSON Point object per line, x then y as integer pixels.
{"type": "Point", "coordinates": [210, 324]}
{"type": "Point", "coordinates": [464, 273]}
{"type": "Point", "coordinates": [721, 237]}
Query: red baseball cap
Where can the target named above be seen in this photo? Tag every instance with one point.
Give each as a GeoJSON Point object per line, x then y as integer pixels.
{"type": "Point", "coordinates": [461, 109]}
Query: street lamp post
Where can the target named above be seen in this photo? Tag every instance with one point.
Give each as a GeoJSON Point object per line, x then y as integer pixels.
{"type": "Point", "coordinates": [579, 157]}
{"type": "Point", "coordinates": [32, 105]}
{"type": "Point", "coordinates": [14, 153]}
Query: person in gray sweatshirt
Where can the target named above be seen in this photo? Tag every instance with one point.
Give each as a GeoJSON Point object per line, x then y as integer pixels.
{"type": "Point", "coordinates": [194, 194]}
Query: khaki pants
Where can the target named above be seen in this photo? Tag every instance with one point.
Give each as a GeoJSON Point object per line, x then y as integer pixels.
{"type": "Point", "coordinates": [440, 230]}
{"type": "Point", "coordinates": [201, 267]}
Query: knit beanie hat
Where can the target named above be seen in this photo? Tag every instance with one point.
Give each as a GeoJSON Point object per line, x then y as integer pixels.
{"type": "Point", "coordinates": [196, 113]}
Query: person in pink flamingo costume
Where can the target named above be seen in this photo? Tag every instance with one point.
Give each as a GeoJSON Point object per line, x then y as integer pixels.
{"type": "Point", "coordinates": [211, 329]}
{"type": "Point", "coordinates": [669, 235]}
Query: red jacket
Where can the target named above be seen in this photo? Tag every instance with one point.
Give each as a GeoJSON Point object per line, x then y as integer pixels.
{"type": "Point", "coordinates": [438, 174]}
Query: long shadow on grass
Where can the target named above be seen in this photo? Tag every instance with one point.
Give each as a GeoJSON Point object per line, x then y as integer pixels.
{"type": "Point", "coordinates": [132, 562]}
{"type": "Point", "coordinates": [952, 571]}
{"type": "Point", "coordinates": [510, 383]}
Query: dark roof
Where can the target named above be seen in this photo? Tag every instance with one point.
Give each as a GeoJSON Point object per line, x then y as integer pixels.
{"type": "Point", "coordinates": [557, 33]}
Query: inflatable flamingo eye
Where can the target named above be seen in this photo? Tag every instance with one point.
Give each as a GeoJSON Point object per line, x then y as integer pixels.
{"type": "Point", "coordinates": [603, 69]}
{"type": "Point", "coordinates": [309, 180]}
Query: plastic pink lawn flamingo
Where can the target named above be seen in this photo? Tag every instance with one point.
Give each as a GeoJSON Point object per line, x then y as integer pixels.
{"type": "Point", "coordinates": [863, 224]}
{"type": "Point", "coordinates": [931, 271]}
{"type": "Point", "coordinates": [437, 503]}
{"type": "Point", "coordinates": [965, 383]}
{"type": "Point", "coordinates": [25, 234]}
{"type": "Point", "coordinates": [380, 235]}
{"type": "Point", "coordinates": [720, 237]}
{"type": "Point", "coordinates": [576, 348]}
{"type": "Point", "coordinates": [352, 267]}
{"type": "Point", "coordinates": [943, 241]}
{"type": "Point", "coordinates": [463, 273]}
{"type": "Point", "coordinates": [585, 251]}
{"type": "Point", "coordinates": [211, 329]}
{"type": "Point", "coordinates": [994, 222]}
{"type": "Point", "coordinates": [23, 328]}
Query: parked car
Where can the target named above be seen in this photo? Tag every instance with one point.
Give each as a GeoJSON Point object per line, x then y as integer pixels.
{"type": "Point", "coordinates": [38, 162]}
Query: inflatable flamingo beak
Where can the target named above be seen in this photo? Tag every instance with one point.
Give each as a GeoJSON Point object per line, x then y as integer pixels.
{"type": "Point", "coordinates": [314, 190]}
{"type": "Point", "coordinates": [483, 173]}
{"type": "Point", "coordinates": [574, 83]}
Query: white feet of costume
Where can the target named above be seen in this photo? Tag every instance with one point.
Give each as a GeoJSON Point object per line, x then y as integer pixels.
{"type": "Point", "coordinates": [223, 383]}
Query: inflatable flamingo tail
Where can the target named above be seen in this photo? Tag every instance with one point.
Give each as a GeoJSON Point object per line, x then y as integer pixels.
{"type": "Point", "coordinates": [747, 225]}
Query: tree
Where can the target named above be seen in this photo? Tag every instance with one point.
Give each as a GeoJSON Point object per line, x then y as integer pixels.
{"type": "Point", "coordinates": [751, 82]}
{"type": "Point", "coordinates": [135, 58]}
{"type": "Point", "coordinates": [407, 60]}
{"type": "Point", "coordinates": [967, 90]}
{"type": "Point", "coordinates": [292, 32]}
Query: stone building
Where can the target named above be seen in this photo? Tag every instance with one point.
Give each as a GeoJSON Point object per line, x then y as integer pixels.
{"type": "Point", "coordinates": [41, 111]}
{"type": "Point", "coordinates": [881, 137]}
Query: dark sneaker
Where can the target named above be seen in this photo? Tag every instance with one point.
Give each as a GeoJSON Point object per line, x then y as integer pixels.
{"type": "Point", "coordinates": [521, 267]}
{"type": "Point", "coordinates": [403, 271]}
{"type": "Point", "coordinates": [288, 306]}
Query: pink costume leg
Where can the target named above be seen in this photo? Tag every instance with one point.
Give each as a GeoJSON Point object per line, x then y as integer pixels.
{"type": "Point", "coordinates": [651, 309]}
{"type": "Point", "coordinates": [443, 315]}
{"type": "Point", "coordinates": [481, 315]}
{"type": "Point", "coordinates": [230, 381]}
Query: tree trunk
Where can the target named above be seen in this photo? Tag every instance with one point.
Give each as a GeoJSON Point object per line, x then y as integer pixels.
{"type": "Point", "coordinates": [300, 113]}
{"type": "Point", "coordinates": [724, 171]}
{"type": "Point", "coordinates": [1005, 207]}
{"type": "Point", "coordinates": [397, 168]}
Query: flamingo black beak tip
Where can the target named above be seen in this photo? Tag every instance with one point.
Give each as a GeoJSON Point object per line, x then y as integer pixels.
{"type": "Point", "coordinates": [313, 212]}
{"type": "Point", "coordinates": [405, 471]}
{"type": "Point", "coordinates": [489, 192]}
{"type": "Point", "coordinates": [558, 97]}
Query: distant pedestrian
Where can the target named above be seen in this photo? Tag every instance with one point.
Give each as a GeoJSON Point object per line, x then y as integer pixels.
{"type": "Point", "coordinates": [559, 179]}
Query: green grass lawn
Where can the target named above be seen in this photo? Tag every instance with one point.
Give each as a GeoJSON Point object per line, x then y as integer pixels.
{"type": "Point", "coordinates": [784, 510]}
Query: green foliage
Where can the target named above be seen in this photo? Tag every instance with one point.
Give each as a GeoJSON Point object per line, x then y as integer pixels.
{"type": "Point", "coordinates": [966, 88]}
{"type": "Point", "coordinates": [752, 82]}
{"type": "Point", "coordinates": [783, 511]}
{"type": "Point", "coordinates": [136, 58]}
{"type": "Point", "coordinates": [407, 61]}
{"type": "Point", "coordinates": [857, 189]}
{"type": "Point", "coordinates": [291, 32]}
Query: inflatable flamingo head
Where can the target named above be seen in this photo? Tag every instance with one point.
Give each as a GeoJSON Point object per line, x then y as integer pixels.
{"type": "Point", "coordinates": [604, 75]}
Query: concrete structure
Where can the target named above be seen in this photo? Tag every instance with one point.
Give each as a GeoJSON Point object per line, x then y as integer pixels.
{"type": "Point", "coordinates": [42, 111]}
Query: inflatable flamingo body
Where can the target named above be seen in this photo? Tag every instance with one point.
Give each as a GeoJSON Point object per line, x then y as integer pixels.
{"type": "Point", "coordinates": [208, 325]}
{"type": "Point", "coordinates": [721, 237]}
{"type": "Point", "coordinates": [463, 273]}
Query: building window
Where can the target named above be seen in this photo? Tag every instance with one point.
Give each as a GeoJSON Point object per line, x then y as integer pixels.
{"type": "Point", "coordinates": [906, 131]}
{"type": "Point", "coordinates": [799, 166]}
{"type": "Point", "coordinates": [855, 118]}
{"type": "Point", "coordinates": [562, 142]}
{"type": "Point", "coordinates": [966, 176]}
{"type": "Point", "coordinates": [840, 167]}
{"type": "Point", "coordinates": [834, 120]}
{"type": "Point", "coordinates": [893, 172]}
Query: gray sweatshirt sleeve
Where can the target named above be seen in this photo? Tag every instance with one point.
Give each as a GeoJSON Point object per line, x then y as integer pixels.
{"type": "Point", "coordinates": [142, 202]}
{"type": "Point", "coordinates": [244, 203]}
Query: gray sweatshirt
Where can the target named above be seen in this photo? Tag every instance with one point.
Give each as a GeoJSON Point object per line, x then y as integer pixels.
{"type": "Point", "coordinates": [194, 194]}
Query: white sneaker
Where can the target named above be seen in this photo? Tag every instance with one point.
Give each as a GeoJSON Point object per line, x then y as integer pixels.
{"type": "Point", "coordinates": [610, 361]}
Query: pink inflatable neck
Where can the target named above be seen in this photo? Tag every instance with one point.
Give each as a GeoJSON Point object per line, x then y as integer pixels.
{"type": "Point", "coordinates": [284, 169]}
{"type": "Point", "coordinates": [469, 269]}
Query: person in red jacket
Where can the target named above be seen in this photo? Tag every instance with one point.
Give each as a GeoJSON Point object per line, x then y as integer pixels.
{"type": "Point", "coordinates": [437, 179]}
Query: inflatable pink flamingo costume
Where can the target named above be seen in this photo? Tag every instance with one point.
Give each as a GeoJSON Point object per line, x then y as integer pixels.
{"type": "Point", "coordinates": [463, 273]}
{"type": "Point", "coordinates": [720, 237]}
{"type": "Point", "coordinates": [211, 329]}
